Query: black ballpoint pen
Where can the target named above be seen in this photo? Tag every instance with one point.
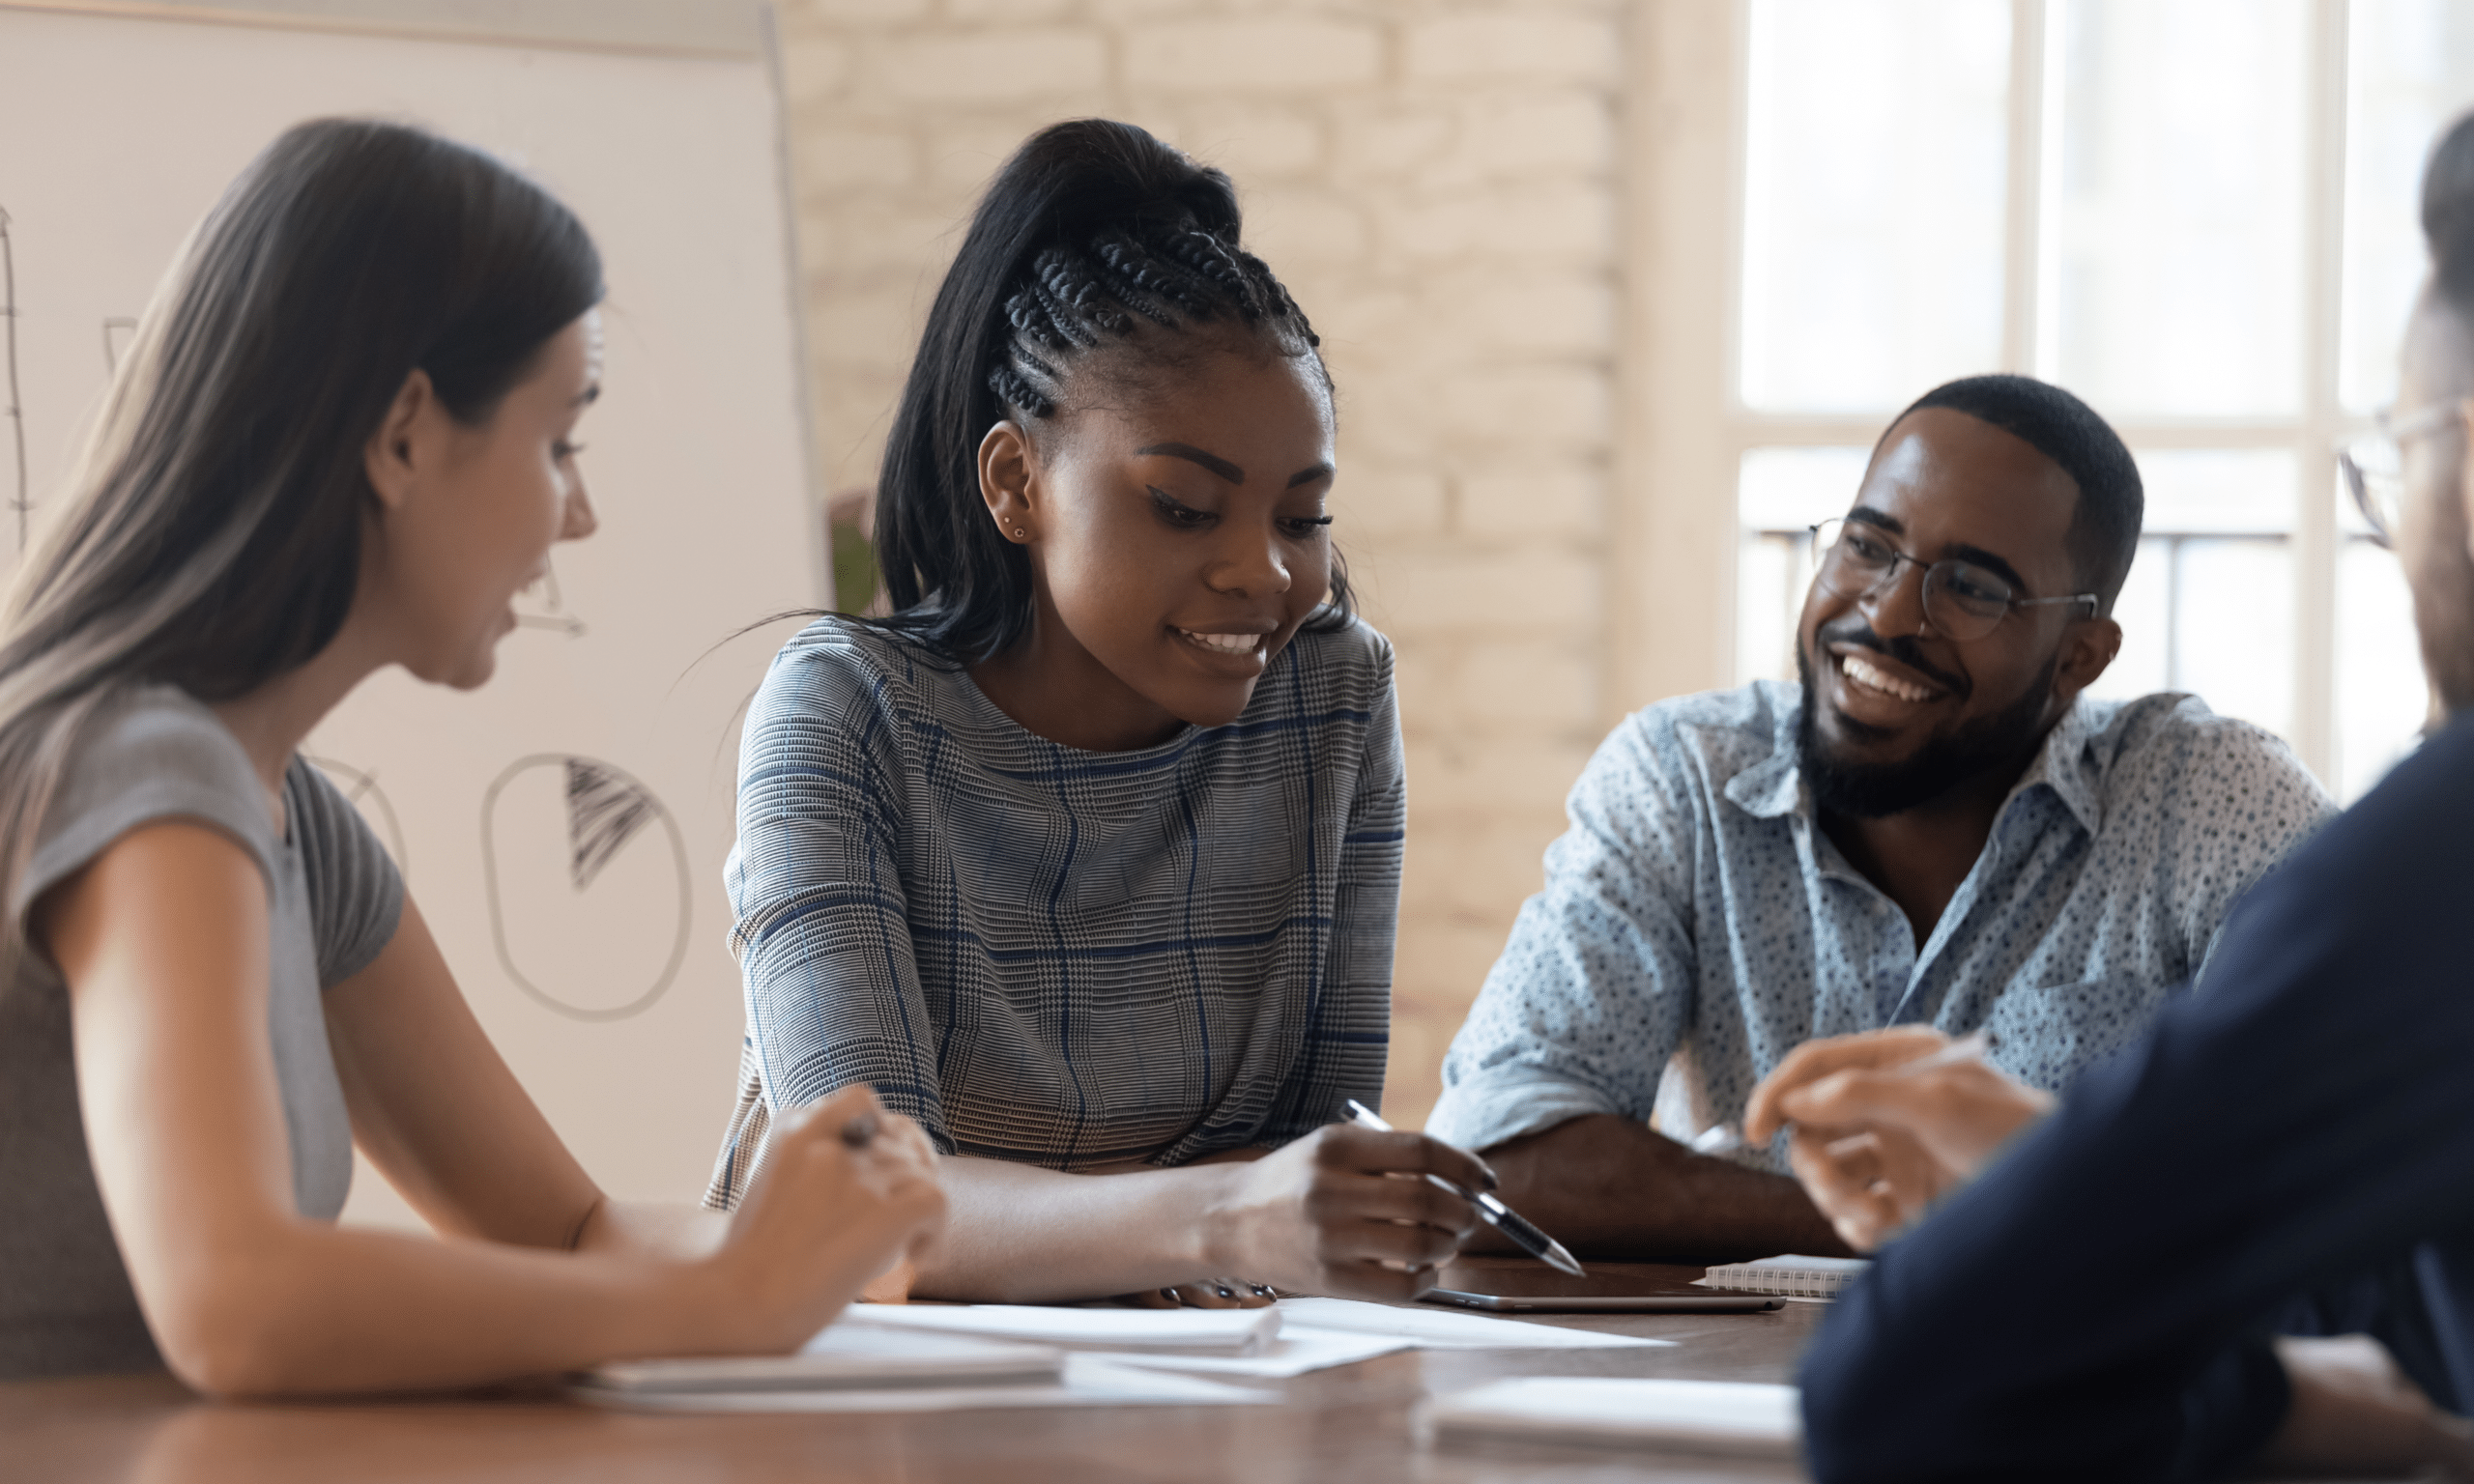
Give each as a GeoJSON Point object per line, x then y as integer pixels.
{"type": "Point", "coordinates": [1501, 1217]}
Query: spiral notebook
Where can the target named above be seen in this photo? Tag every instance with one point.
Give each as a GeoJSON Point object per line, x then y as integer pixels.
{"type": "Point", "coordinates": [1790, 1275]}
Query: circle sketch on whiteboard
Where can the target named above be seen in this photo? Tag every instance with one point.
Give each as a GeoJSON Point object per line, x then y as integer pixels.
{"type": "Point", "coordinates": [361, 789]}
{"type": "Point", "coordinates": [584, 902]}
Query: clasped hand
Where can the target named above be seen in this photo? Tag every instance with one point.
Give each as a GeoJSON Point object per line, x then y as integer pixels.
{"type": "Point", "coordinates": [1876, 1145]}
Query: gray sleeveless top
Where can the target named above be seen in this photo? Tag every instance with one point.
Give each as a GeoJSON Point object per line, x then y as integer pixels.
{"type": "Point", "coordinates": [333, 900]}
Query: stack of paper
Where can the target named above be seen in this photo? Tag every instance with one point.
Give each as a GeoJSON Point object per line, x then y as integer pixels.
{"type": "Point", "coordinates": [1738, 1419]}
{"type": "Point", "coordinates": [843, 1358]}
{"type": "Point", "coordinates": [934, 1357]}
{"type": "Point", "coordinates": [1143, 1331]}
{"type": "Point", "coordinates": [864, 1367]}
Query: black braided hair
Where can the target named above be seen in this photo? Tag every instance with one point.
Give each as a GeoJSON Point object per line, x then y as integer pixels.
{"type": "Point", "coordinates": [1093, 232]}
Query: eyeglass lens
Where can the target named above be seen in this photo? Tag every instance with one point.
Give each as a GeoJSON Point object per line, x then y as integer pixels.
{"type": "Point", "coordinates": [1961, 600]}
{"type": "Point", "coordinates": [2375, 478]}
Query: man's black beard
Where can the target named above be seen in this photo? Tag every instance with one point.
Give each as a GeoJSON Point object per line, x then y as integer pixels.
{"type": "Point", "coordinates": [1876, 790]}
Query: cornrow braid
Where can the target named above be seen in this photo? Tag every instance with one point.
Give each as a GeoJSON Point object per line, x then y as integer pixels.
{"type": "Point", "coordinates": [1071, 298]}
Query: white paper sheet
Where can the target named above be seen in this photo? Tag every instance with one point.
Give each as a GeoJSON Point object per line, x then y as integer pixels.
{"type": "Point", "coordinates": [1188, 1331]}
{"type": "Point", "coordinates": [1442, 1329]}
{"type": "Point", "coordinates": [1742, 1419]}
{"type": "Point", "coordinates": [1090, 1381]}
{"type": "Point", "coordinates": [870, 1357]}
{"type": "Point", "coordinates": [1298, 1351]}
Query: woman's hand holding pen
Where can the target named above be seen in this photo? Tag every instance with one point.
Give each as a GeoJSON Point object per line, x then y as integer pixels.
{"type": "Point", "coordinates": [1879, 1136]}
{"type": "Point", "coordinates": [1326, 1216]}
{"type": "Point", "coordinates": [847, 1189]}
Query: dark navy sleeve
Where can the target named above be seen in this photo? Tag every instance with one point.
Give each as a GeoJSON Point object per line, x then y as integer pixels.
{"type": "Point", "coordinates": [2097, 1305]}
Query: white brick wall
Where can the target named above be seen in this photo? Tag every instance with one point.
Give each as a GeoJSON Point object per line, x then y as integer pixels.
{"type": "Point", "coordinates": [1437, 182]}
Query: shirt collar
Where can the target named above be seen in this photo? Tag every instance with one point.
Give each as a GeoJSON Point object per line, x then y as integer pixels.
{"type": "Point", "coordinates": [1774, 785]}
{"type": "Point", "coordinates": [2067, 766]}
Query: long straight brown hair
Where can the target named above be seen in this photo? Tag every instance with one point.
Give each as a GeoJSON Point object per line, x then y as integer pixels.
{"type": "Point", "coordinates": [210, 534]}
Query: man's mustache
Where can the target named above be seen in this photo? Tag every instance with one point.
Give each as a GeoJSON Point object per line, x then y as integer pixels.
{"type": "Point", "coordinates": [1904, 649]}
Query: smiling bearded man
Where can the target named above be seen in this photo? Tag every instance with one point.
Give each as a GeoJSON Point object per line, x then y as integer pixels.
{"type": "Point", "coordinates": [1936, 827]}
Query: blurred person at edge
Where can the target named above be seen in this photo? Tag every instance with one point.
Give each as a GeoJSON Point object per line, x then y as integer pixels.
{"type": "Point", "coordinates": [2247, 1240]}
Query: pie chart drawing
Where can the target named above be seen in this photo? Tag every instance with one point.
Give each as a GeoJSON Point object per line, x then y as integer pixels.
{"type": "Point", "coordinates": [361, 786]}
{"type": "Point", "coordinates": [588, 880]}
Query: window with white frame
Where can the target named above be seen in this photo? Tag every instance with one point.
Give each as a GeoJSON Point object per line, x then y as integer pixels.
{"type": "Point", "coordinates": [2199, 215]}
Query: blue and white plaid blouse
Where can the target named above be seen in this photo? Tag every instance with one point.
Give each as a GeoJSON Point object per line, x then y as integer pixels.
{"type": "Point", "coordinates": [1058, 957]}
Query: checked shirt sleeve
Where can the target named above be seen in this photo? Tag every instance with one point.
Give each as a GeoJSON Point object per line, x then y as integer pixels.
{"type": "Point", "coordinates": [821, 926]}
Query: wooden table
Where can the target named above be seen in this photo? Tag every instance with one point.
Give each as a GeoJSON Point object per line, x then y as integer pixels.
{"type": "Point", "coordinates": [1350, 1423]}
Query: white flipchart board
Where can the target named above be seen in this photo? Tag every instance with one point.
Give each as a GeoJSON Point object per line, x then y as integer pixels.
{"type": "Point", "coordinates": [562, 828]}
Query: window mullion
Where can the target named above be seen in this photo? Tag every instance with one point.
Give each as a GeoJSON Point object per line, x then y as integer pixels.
{"type": "Point", "coordinates": [2024, 185]}
{"type": "Point", "coordinates": [2315, 516]}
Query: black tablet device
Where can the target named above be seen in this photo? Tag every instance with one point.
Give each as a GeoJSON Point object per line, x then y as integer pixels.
{"type": "Point", "coordinates": [1606, 1303]}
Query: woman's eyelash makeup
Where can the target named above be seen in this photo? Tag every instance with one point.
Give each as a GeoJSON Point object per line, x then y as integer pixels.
{"type": "Point", "coordinates": [1177, 512]}
{"type": "Point", "coordinates": [1173, 510]}
{"type": "Point", "coordinates": [565, 450]}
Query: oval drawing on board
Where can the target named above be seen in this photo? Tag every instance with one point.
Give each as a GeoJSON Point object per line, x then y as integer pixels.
{"type": "Point", "coordinates": [361, 789]}
{"type": "Point", "coordinates": [588, 911]}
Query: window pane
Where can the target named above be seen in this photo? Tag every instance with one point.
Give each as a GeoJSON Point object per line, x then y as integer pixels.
{"type": "Point", "coordinates": [1875, 155]}
{"type": "Point", "coordinates": [2217, 490]}
{"type": "Point", "coordinates": [2381, 695]}
{"type": "Point", "coordinates": [2177, 234]}
{"type": "Point", "coordinates": [2412, 71]}
{"type": "Point", "coordinates": [2145, 609]}
{"type": "Point", "coordinates": [2234, 627]}
{"type": "Point", "coordinates": [2208, 608]}
{"type": "Point", "coordinates": [1778, 494]}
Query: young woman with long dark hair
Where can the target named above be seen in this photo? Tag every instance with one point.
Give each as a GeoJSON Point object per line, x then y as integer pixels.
{"type": "Point", "coordinates": [342, 441]}
{"type": "Point", "coordinates": [1087, 857]}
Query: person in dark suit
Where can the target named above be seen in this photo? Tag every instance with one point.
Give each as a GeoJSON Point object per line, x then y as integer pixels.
{"type": "Point", "coordinates": [2119, 1284]}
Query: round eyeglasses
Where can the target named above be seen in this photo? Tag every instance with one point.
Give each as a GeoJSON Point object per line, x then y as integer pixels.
{"type": "Point", "coordinates": [1961, 600]}
{"type": "Point", "coordinates": [2374, 464]}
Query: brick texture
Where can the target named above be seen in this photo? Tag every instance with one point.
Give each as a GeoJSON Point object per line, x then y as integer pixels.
{"type": "Point", "coordinates": [1437, 184]}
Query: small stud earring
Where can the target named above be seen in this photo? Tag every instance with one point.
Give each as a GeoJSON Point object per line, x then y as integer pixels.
{"type": "Point", "coordinates": [1019, 534]}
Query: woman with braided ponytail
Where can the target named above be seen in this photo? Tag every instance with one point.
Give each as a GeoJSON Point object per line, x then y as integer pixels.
{"type": "Point", "coordinates": [1087, 856]}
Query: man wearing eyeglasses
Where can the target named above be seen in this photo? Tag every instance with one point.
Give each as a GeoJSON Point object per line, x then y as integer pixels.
{"type": "Point", "coordinates": [1935, 828]}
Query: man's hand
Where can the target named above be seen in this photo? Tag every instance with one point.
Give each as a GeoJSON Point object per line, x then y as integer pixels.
{"type": "Point", "coordinates": [1344, 1212]}
{"type": "Point", "coordinates": [1876, 1145]}
{"type": "Point", "coordinates": [2353, 1411]}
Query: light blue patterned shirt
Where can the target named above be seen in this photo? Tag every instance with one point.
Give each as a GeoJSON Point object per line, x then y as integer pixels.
{"type": "Point", "coordinates": [1694, 911]}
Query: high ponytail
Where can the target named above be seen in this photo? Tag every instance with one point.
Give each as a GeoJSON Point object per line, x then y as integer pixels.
{"type": "Point", "coordinates": [1092, 230]}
